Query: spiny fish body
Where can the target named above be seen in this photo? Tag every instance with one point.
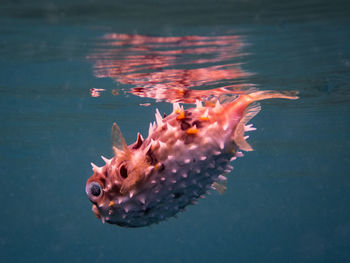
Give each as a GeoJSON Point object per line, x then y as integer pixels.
{"type": "Point", "coordinates": [185, 155]}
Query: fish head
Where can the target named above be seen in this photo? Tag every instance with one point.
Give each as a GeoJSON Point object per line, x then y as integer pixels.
{"type": "Point", "coordinates": [112, 187]}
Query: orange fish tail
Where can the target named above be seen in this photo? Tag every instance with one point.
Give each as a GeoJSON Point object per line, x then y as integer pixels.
{"type": "Point", "coordinates": [271, 94]}
{"type": "Point", "coordinates": [243, 101]}
{"type": "Point", "coordinates": [245, 108]}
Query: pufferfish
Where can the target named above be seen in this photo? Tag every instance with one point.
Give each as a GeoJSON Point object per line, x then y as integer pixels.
{"type": "Point", "coordinates": [186, 154]}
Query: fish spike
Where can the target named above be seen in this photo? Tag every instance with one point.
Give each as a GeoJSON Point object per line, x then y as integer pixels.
{"type": "Point", "coordinates": [222, 178]}
{"type": "Point", "coordinates": [225, 126]}
{"type": "Point", "coordinates": [199, 104]}
{"type": "Point", "coordinates": [170, 128]}
{"type": "Point", "coordinates": [178, 144]}
{"type": "Point", "coordinates": [131, 193]}
{"type": "Point", "coordinates": [142, 199]}
{"type": "Point", "coordinates": [162, 144]}
{"type": "Point", "coordinates": [249, 127]}
{"type": "Point", "coordinates": [239, 154]}
{"type": "Point", "coordinates": [214, 125]}
{"type": "Point", "coordinates": [229, 167]}
{"type": "Point", "coordinates": [206, 113]}
{"type": "Point", "coordinates": [148, 147]}
{"type": "Point", "coordinates": [159, 118]}
{"type": "Point", "coordinates": [140, 137]}
{"type": "Point", "coordinates": [151, 129]}
{"type": "Point", "coordinates": [205, 116]}
{"type": "Point", "coordinates": [139, 141]}
{"type": "Point", "coordinates": [187, 160]}
{"type": "Point", "coordinates": [96, 169]}
{"type": "Point", "coordinates": [193, 130]}
{"type": "Point", "coordinates": [106, 160]}
{"type": "Point", "coordinates": [207, 139]}
{"type": "Point", "coordinates": [233, 158]}
{"type": "Point", "coordinates": [193, 147]}
{"type": "Point", "coordinates": [176, 107]}
{"type": "Point", "coordinates": [218, 106]}
{"type": "Point", "coordinates": [149, 170]}
{"type": "Point", "coordinates": [155, 144]}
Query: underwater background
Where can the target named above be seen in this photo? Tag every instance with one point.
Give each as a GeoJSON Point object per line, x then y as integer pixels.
{"type": "Point", "coordinates": [287, 201]}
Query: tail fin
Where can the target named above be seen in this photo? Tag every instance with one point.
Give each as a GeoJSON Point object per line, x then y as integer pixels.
{"type": "Point", "coordinates": [246, 105]}
{"type": "Point", "coordinates": [271, 94]}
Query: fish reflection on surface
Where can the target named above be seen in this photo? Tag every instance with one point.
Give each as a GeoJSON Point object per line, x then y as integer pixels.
{"type": "Point", "coordinates": [172, 68]}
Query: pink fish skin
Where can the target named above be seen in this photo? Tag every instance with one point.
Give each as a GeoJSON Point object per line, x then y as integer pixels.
{"type": "Point", "coordinates": [183, 157]}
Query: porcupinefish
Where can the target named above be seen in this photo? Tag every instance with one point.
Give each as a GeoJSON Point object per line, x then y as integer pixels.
{"type": "Point", "coordinates": [186, 154]}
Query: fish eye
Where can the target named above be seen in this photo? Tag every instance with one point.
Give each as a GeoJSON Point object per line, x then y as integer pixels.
{"type": "Point", "coordinates": [94, 191]}
{"type": "Point", "coordinates": [123, 171]}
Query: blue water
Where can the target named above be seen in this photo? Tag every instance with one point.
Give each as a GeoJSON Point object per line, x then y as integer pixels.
{"type": "Point", "coordinates": [288, 201]}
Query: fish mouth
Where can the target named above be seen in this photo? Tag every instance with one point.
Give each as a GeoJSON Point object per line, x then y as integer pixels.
{"type": "Point", "coordinates": [95, 211]}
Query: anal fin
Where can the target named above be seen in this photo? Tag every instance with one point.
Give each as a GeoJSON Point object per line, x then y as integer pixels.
{"type": "Point", "coordinates": [220, 187]}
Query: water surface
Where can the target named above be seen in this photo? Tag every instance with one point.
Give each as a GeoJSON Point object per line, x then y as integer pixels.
{"type": "Point", "coordinates": [288, 201]}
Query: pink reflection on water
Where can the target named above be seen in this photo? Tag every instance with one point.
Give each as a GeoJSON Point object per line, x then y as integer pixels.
{"type": "Point", "coordinates": [172, 68]}
{"type": "Point", "coordinates": [96, 92]}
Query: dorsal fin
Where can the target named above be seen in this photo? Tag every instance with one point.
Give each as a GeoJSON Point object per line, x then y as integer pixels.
{"type": "Point", "coordinates": [118, 140]}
